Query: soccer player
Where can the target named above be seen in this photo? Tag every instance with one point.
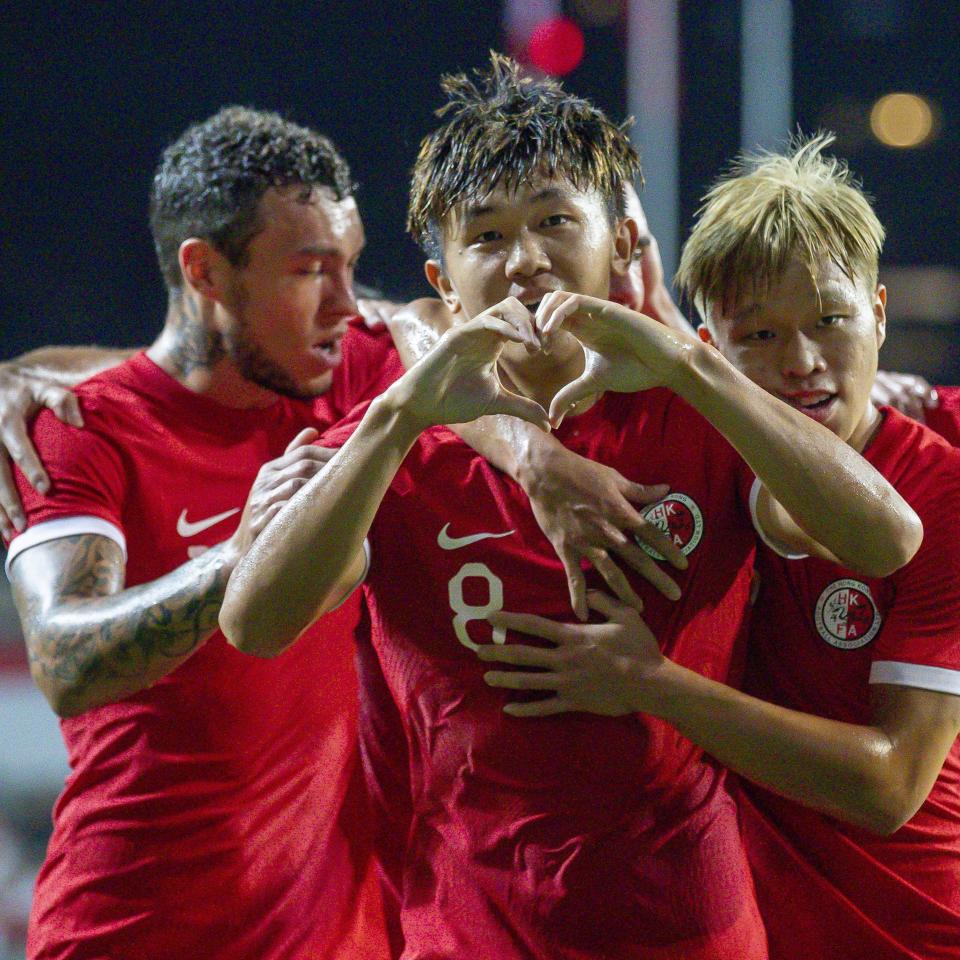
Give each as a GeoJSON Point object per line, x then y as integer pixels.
{"type": "Point", "coordinates": [214, 806]}
{"type": "Point", "coordinates": [579, 837]}
{"type": "Point", "coordinates": [847, 731]}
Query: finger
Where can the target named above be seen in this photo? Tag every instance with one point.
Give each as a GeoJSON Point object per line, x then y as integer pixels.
{"type": "Point", "coordinates": [658, 540]}
{"type": "Point", "coordinates": [308, 454]}
{"type": "Point", "coordinates": [283, 491]}
{"type": "Point", "coordinates": [63, 403]}
{"type": "Point", "coordinates": [263, 520]}
{"type": "Point", "coordinates": [517, 655]}
{"type": "Point", "coordinates": [513, 680]}
{"type": "Point", "coordinates": [645, 492]}
{"type": "Point", "coordinates": [932, 400]}
{"type": "Point", "coordinates": [576, 583]}
{"type": "Point", "coordinates": [615, 578]}
{"type": "Point", "coordinates": [306, 436]}
{"type": "Point", "coordinates": [658, 578]}
{"type": "Point", "coordinates": [554, 313]}
{"type": "Point", "coordinates": [539, 708]}
{"type": "Point", "coordinates": [607, 606]}
{"type": "Point", "coordinates": [11, 513]}
{"type": "Point", "coordinates": [533, 625]}
{"type": "Point", "coordinates": [567, 396]}
{"type": "Point", "coordinates": [513, 405]}
{"type": "Point", "coordinates": [521, 317]}
{"type": "Point", "coordinates": [21, 450]}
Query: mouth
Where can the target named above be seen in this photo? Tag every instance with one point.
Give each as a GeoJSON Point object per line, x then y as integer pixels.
{"type": "Point", "coordinates": [328, 350]}
{"type": "Point", "coordinates": [816, 404]}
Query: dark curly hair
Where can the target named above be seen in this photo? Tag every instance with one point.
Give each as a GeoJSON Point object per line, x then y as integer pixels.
{"type": "Point", "coordinates": [506, 128]}
{"type": "Point", "coordinates": [210, 180]}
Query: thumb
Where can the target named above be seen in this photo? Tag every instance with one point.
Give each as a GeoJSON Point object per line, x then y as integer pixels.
{"type": "Point", "coordinates": [305, 436]}
{"type": "Point", "coordinates": [513, 405]}
{"type": "Point", "coordinates": [567, 396]}
{"type": "Point", "coordinates": [646, 493]}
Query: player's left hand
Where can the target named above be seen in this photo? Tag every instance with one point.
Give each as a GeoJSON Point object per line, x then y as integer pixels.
{"type": "Point", "coordinates": [624, 351]}
{"type": "Point", "coordinates": [592, 667]}
{"type": "Point", "coordinates": [376, 313]}
{"type": "Point", "coordinates": [906, 392]}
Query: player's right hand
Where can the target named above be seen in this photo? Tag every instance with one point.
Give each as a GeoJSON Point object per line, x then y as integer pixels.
{"type": "Point", "coordinates": [588, 511]}
{"type": "Point", "coordinates": [457, 380]}
{"type": "Point", "coordinates": [277, 481]}
{"type": "Point", "coordinates": [21, 396]}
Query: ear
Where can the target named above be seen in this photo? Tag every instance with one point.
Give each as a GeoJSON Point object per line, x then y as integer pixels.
{"type": "Point", "coordinates": [625, 238]}
{"type": "Point", "coordinates": [201, 266]}
{"type": "Point", "coordinates": [880, 313]}
{"type": "Point", "coordinates": [705, 335]}
{"type": "Point", "coordinates": [441, 283]}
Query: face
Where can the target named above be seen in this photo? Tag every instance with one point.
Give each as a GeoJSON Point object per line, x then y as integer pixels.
{"type": "Point", "coordinates": [627, 287]}
{"type": "Point", "coordinates": [286, 310]}
{"type": "Point", "coordinates": [813, 343]}
{"type": "Point", "coordinates": [544, 236]}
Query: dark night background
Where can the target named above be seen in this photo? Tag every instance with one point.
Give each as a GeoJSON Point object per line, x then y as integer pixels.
{"type": "Point", "coordinates": [93, 91]}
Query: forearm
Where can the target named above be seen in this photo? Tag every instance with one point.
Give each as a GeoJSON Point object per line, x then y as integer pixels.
{"type": "Point", "coordinates": [86, 651]}
{"type": "Point", "coordinates": [832, 493]}
{"type": "Point", "coordinates": [68, 366]}
{"type": "Point", "coordinates": [844, 770]}
{"type": "Point", "coordinates": [299, 567]}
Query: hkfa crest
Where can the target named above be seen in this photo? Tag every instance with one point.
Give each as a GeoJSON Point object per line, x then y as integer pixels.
{"type": "Point", "coordinates": [847, 616]}
{"type": "Point", "coordinates": [680, 518]}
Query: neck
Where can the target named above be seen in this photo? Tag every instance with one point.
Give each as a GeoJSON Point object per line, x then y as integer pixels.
{"type": "Point", "coordinates": [866, 429]}
{"type": "Point", "coordinates": [192, 351]}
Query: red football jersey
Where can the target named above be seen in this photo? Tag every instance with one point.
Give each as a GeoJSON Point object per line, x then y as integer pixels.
{"type": "Point", "coordinates": [574, 836]}
{"type": "Point", "coordinates": [945, 419]}
{"type": "Point", "coordinates": [820, 636]}
{"type": "Point", "coordinates": [220, 813]}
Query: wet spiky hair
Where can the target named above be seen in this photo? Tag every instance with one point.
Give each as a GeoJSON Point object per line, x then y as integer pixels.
{"type": "Point", "coordinates": [772, 207]}
{"type": "Point", "coordinates": [505, 128]}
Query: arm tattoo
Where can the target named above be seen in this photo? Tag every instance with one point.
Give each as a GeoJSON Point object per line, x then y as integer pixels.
{"type": "Point", "coordinates": [92, 642]}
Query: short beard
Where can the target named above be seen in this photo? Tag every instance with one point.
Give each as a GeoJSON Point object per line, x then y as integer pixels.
{"type": "Point", "coordinates": [252, 362]}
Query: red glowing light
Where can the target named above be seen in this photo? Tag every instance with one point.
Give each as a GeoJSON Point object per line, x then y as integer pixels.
{"type": "Point", "coordinates": [556, 46]}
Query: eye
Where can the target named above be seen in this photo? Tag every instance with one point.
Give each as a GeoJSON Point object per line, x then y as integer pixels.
{"type": "Point", "coordinates": [832, 320]}
{"type": "Point", "coordinates": [488, 236]}
{"type": "Point", "coordinates": [759, 336]}
{"type": "Point", "coordinates": [556, 219]}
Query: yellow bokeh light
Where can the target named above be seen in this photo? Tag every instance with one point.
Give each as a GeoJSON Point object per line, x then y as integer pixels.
{"type": "Point", "coordinates": [902, 120]}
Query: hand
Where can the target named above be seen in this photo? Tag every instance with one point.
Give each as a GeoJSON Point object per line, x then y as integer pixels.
{"type": "Point", "coordinates": [624, 351]}
{"type": "Point", "coordinates": [909, 394]}
{"type": "Point", "coordinates": [21, 396]}
{"type": "Point", "coordinates": [277, 481]}
{"type": "Point", "coordinates": [593, 667]}
{"type": "Point", "coordinates": [376, 313]}
{"type": "Point", "coordinates": [586, 510]}
{"type": "Point", "coordinates": [457, 380]}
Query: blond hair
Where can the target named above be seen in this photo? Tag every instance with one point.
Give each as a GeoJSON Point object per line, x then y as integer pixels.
{"type": "Point", "coordinates": [771, 208]}
{"type": "Point", "coordinates": [505, 128]}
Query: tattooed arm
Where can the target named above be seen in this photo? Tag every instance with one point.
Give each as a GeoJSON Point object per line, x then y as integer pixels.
{"type": "Point", "coordinates": [91, 642]}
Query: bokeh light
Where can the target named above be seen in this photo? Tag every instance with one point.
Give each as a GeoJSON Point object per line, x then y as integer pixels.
{"type": "Point", "coordinates": [902, 120]}
{"type": "Point", "coordinates": [556, 46]}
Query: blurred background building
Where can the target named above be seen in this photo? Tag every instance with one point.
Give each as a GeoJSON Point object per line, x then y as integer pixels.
{"type": "Point", "coordinates": [93, 91]}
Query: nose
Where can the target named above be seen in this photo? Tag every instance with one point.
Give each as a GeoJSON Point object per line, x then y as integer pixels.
{"type": "Point", "coordinates": [800, 356]}
{"type": "Point", "coordinates": [339, 298]}
{"type": "Point", "coordinates": [527, 257]}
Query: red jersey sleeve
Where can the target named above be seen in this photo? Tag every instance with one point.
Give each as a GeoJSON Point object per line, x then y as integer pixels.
{"type": "Point", "coordinates": [369, 365]}
{"type": "Point", "coordinates": [919, 644]}
{"type": "Point", "coordinates": [87, 479]}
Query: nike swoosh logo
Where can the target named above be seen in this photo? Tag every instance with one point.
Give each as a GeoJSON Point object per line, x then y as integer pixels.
{"type": "Point", "coordinates": [447, 542]}
{"type": "Point", "coordinates": [187, 529]}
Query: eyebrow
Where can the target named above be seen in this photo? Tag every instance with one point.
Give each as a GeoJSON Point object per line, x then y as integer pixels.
{"type": "Point", "coordinates": [313, 251]}
{"type": "Point", "coordinates": [475, 211]}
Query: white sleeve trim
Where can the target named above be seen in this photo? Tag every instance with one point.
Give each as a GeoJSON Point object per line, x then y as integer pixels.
{"type": "Point", "coordinates": [779, 548]}
{"type": "Point", "coordinates": [363, 576]}
{"type": "Point", "coordinates": [939, 679]}
{"type": "Point", "coordinates": [64, 527]}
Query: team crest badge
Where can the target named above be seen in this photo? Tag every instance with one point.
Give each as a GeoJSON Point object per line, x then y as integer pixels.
{"type": "Point", "coordinates": [680, 518]}
{"type": "Point", "coordinates": [846, 615]}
